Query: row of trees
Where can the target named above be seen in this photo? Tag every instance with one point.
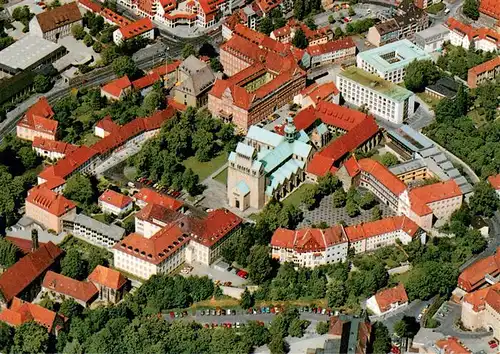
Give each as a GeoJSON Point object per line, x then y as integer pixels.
{"type": "Point", "coordinates": [326, 185]}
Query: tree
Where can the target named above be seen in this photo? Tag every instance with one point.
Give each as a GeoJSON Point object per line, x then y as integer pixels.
{"type": "Point", "coordinates": [462, 100]}
{"type": "Point", "coordinates": [407, 327]}
{"type": "Point", "coordinates": [376, 213]}
{"type": "Point", "coordinates": [88, 40]}
{"type": "Point", "coordinates": [70, 308]}
{"type": "Point", "coordinates": [300, 40]}
{"type": "Point", "coordinates": [389, 159]}
{"type": "Point", "coordinates": [331, 19]}
{"type": "Point", "coordinates": [420, 74]}
{"type": "Point", "coordinates": [124, 66]}
{"type": "Point", "coordinates": [339, 198]}
{"type": "Point", "coordinates": [338, 32]}
{"type": "Point", "coordinates": [6, 333]}
{"type": "Point", "coordinates": [96, 24]}
{"type": "Point", "coordinates": [255, 333]}
{"type": "Point", "coordinates": [328, 184]}
{"type": "Point", "coordinates": [216, 65]}
{"type": "Point", "coordinates": [296, 328]}
{"type": "Point", "coordinates": [30, 337]}
{"type": "Point", "coordinates": [351, 208]}
{"type": "Point", "coordinates": [322, 327]}
{"type": "Point", "coordinates": [190, 182]}
{"type": "Point", "coordinates": [77, 31]}
{"type": "Point", "coordinates": [108, 54]}
{"type": "Point", "coordinates": [152, 102]}
{"type": "Point", "coordinates": [259, 264]}
{"type": "Point", "coordinates": [484, 202]}
{"type": "Point", "coordinates": [351, 11]}
{"type": "Point", "coordinates": [79, 188]}
{"type": "Point", "coordinates": [188, 50]}
{"type": "Point", "coordinates": [73, 265]}
{"type": "Point", "coordinates": [42, 83]}
{"type": "Point", "coordinates": [309, 198]}
{"type": "Point", "coordinates": [278, 346]}
{"type": "Point", "coordinates": [266, 25]}
{"type": "Point", "coordinates": [336, 293]}
{"type": "Point", "coordinates": [367, 201]}
{"type": "Point", "coordinates": [247, 299]}
{"type": "Point", "coordinates": [298, 9]}
{"type": "Point", "coordinates": [97, 47]}
{"type": "Point", "coordinates": [310, 23]}
{"type": "Point", "coordinates": [431, 278]}
{"type": "Point", "coordinates": [382, 339]}
{"type": "Point", "coordinates": [9, 254]}
{"type": "Point", "coordinates": [471, 9]}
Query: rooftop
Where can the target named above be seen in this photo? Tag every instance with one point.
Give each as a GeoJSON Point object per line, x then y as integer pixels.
{"type": "Point", "coordinates": [116, 199]}
{"type": "Point", "coordinates": [116, 86]}
{"type": "Point", "coordinates": [59, 16]}
{"type": "Point", "coordinates": [79, 290]}
{"type": "Point", "coordinates": [50, 201]}
{"type": "Point", "coordinates": [107, 277]}
{"type": "Point", "coordinates": [494, 181]}
{"type": "Point", "coordinates": [136, 28]}
{"type": "Point", "coordinates": [452, 345]}
{"type": "Point", "coordinates": [112, 231]}
{"type": "Point", "coordinates": [382, 174]}
{"type": "Point", "coordinates": [150, 196]}
{"type": "Point", "coordinates": [375, 83]}
{"type": "Point", "coordinates": [385, 298]}
{"type": "Point", "coordinates": [433, 31]}
{"type": "Point", "coordinates": [420, 197]}
{"type": "Point", "coordinates": [490, 8]}
{"type": "Point", "coordinates": [308, 240]}
{"type": "Point", "coordinates": [53, 145]}
{"type": "Point", "coordinates": [374, 228]}
{"type": "Point", "coordinates": [27, 51]}
{"type": "Point", "coordinates": [21, 312]}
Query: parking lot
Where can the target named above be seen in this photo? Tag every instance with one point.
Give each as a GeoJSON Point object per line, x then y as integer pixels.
{"type": "Point", "coordinates": [216, 274]}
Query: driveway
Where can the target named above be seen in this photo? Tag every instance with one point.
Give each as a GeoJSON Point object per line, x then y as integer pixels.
{"type": "Point", "coordinates": [215, 274]}
{"type": "Point", "coordinates": [412, 310]}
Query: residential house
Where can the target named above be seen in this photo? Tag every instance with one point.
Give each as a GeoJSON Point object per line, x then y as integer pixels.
{"type": "Point", "coordinates": [316, 93]}
{"type": "Point", "coordinates": [329, 52]}
{"type": "Point", "coordinates": [52, 149]}
{"type": "Point", "coordinates": [484, 73]}
{"type": "Point", "coordinates": [146, 196]}
{"type": "Point", "coordinates": [116, 89]}
{"type": "Point", "coordinates": [464, 35]}
{"type": "Point", "coordinates": [480, 310]}
{"type": "Point", "coordinates": [105, 127]}
{"type": "Point", "coordinates": [48, 208]}
{"type": "Point", "coordinates": [56, 23]}
{"type": "Point", "coordinates": [480, 273]}
{"type": "Point", "coordinates": [452, 345]}
{"type": "Point", "coordinates": [388, 300]}
{"type": "Point", "coordinates": [112, 202]}
{"type": "Point", "coordinates": [38, 122]}
{"type": "Point", "coordinates": [383, 33]}
{"type": "Point", "coordinates": [142, 28]}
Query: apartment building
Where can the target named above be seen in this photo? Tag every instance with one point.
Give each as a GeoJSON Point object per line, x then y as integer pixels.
{"type": "Point", "coordinates": [391, 60]}
{"type": "Point", "coordinates": [483, 73]}
{"type": "Point", "coordinates": [432, 38]}
{"type": "Point", "coordinates": [382, 98]}
{"type": "Point", "coordinates": [38, 121]}
{"type": "Point", "coordinates": [387, 300]}
{"type": "Point", "coordinates": [477, 274]}
{"type": "Point", "coordinates": [21, 312]}
{"type": "Point", "coordinates": [142, 28]}
{"type": "Point", "coordinates": [51, 149]}
{"type": "Point", "coordinates": [48, 209]}
{"type": "Point", "coordinates": [464, 35]}
{"type": "Point", "coordinates": [330, 52]}
{"type": "Point", "coordinates": [112, 202]}
{"type": "Point", "coordinates": [286, 33]}
{"type": "Point", "coordinates": [423, 4]}
{"type": "Point", "coordinates": [383, 33]}
{"type": "Point", "coordinates": [481, 310]}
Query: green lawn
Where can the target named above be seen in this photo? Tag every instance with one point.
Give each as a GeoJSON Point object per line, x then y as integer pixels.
{"type": "Point", "coordinates": [435, 8]}
{"type": "Point", "coordinates": [296, 197]}
{"type": "Point", "coordinates": [99, 217]}
{"type": "Point", "coordinates": [205, 169]}
{"type": "Point", "coordinates": [401, 278]}
{"type": "Point", "coordinates": [130, 173]}
{"type": "Point", "coordinates": [90, 139]}
{"type": "Point", "coordinates": [477, 118]}
{"type": "Point", "coordinates": [222, 177]}
{"type": "Point", "coordinates": [84, 247]}
{"type": "Point", "coordinates": [431, 101]}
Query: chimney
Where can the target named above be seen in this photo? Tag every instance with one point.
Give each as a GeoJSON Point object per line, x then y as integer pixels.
{"type": "Point", "coordinates": [34, 240]}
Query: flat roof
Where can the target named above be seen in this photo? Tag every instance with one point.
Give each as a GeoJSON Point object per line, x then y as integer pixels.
{"type": "Point", "coordinates": [433, 31]}
{"type": "Point", "coordinates": [394, 55]}
{"type": "Point", "coordinates": [411, 138]}
{"type": "Point", "coordinates": [27, 51]}
{"type": "Point", "coordinates": [112, 231]}
{"type": "Point", "coordinates": [375, 83]}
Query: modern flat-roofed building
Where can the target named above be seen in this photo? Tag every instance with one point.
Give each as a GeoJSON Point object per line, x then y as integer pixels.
{"type": "Point", "coordinates": [94, 231]}
{"type": "Point", "coordinates": [483, 73]}
{"type": "Point", "coordinates": [383, 98]}
{"type": "Point", "coordinates": [390, 61]}
{"type": "Point", "coordinates": [432, 38]}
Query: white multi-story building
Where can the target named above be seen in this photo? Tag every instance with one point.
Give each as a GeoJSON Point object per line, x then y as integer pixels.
{"type": "Point", "coordinates": [463, 35]}
{"type": "Point", "coordinates": [481, 310]}
{"type": "Point", "coordinates": [51, 149]}
{"type": "Point", "coordinates": [112, 202]}
{"type": "Point", "coordinates": [310, 247]}
{"type": "Point", "coordinates": [382, 98]}
{"type": "Point", "coordinates": [329, 52]}
{"type": "Point", "coordinates": [93, 231]}
{"type": "Point", "coordinates": [391, 60]}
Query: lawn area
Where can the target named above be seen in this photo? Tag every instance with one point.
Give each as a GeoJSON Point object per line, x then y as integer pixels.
{"type": "Point", "coordinates": [401, 278]}
{"type": "Point", "coordinates": [222, 177]}
{"type": "Point", "coordinates": [84, 247]}
{"type": "Point", "coordinates": [205, 169]}
{"type": "Point", "coordinates": [99, 217]}
{"type": "Point", "coordinates": [90, 139]}
{"type": "Point", "coordinates": [435, 8]}
{"type": "Point", "coordinates": [296, 197]}
{"type": "Point", "coordinates": [431, 101]}
{"type": "Point", "coordinates": [130, 173]}
{"type": "Point", "coordinates": [477, 118]}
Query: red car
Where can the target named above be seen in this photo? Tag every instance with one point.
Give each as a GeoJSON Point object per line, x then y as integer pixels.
{"type": "Point", "coordinates": [242, 274]}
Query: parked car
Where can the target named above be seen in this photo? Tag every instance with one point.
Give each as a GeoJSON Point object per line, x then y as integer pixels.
{"type": "Point", "coordinates": [242, 274]}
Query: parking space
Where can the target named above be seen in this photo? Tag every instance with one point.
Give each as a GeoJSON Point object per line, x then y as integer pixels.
{"type": "Point", "coordinates": [216, 274]}
{"type": "Point", "coordinates": [77, 50]}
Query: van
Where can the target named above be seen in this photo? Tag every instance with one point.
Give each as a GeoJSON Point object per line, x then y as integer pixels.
{"type": "Point", "coordinates": [447, 11]}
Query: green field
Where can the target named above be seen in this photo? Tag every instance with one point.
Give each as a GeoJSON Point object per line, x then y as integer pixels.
{"type": "Point", "coordinates": [205, 169]}
{"type": "Point", "coordinates": [430, 101]}
{"type": "Point", "coordinates": [296, 197]}
{"type": "Point", "coordinates": [222, 177]}
{"type": "Point", "coordinates": [90, 139]}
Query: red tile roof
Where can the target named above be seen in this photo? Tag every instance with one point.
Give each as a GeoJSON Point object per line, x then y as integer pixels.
{"type": "Point", "coordinates": [115, 87]}
{"type": "Point", "coordinates": [375, 228]}
{"type": "Point", "coordinates": [114, 17]}
{"type": "Point", "coordinates": [267, 5]}
{"type": "Point", "coordinates": [452, 345]}
{"type": "Point", "coordinates": [494, 180]}
{"type": "Point", "coordinates": [27, 270]}
{"type": "Point", "coordinates": [490, 65]}
{"type": "Point", "coordinates": [24, 245]}
{"type": "Point", "coordinates": [320, 165]}
{"type": "Point", "coordinates": [157, 248]}
{"type": "Point", "coordinates": [61, 16]}
{"type": "Point", "coordinates": [308, 240]}
{"type": "Point", "coordinates": [385, 298]}
{"type": "Point", "coordinates": [79, 290]}
{"type": "Point", "coordinates": [116, 199]}
{"type": "Point", "coordinates": [71, 162]}
{"type": "Point", "coordinates": [420, 197]}
{"type": "Point", "coordinates": [339, 116]}
{"type": "Point", "coordinates": [107, 277]}
{"type": "Point", "coordinates": [39, 117]}
{"type": "Point", "coordinates": [351, 166]}
{"type": "Point", "coordinates": [146, 81]}
{"type": "Point", "coordinates": [215, 226]}
{"type": "Point", "coordinates": [490, 8]}
{"type": "Point", "coordinates": [156, 213]}
{"type": "Point", "coordinates": [166, 69]}
{"type": "Point", "coordinates": [21, 312]}
{"type": "Point", "coordinates": [480, 297]}
{"type": "Point", "coordinates": [50, 201]}
{"type": "Point", "coordinates": [472, 277]}
{"type": "Point", "coordinates": [321, 92]}
{"type": "Point", "coordinates": [94, 7]}
{"type": "Point", "coordinates": [136, 28]}
{"type": "Point", "coordinates": [331, 46]}
{"type": "Point", "coordinates": [150, 196]}
{"type": "Point", "coordinates": [383, 175]}
{"type": "Point", "coordinates": [108, 125]}
{"type": "Point", "coordinates": [473, 33]}
{"type": "Point", "coordinates": [53, 145]}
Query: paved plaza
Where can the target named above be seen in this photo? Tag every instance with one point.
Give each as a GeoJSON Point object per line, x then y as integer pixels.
{"type": "Point", "coordinates": [332, 216]}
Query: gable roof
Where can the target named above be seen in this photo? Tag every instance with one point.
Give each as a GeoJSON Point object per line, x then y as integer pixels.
{"type": "Point", "coordinates": [375, 228]}
{"type": "Point", "coordinates": [21, 312]}
{"type": "Point", "coordinates": [115, 87]}
{"type": "Point", "coordinates": [383, 175]}
{"type": "Point", "coordinates": [116, 199]}
{"type": "Point", "coordinates": [385, 298]}
{"type": "Point", "coordinates": [108, 277]}
{"type": "Point", "coordinates": [136, 28]}
{"type": "Point", "coordinates": [18, 277]}
{"type": "Point", "coordinates": [39, 117]}
{"type": "Point", "coordinates": [80, 290]}
{"type": "Point", "coordinates": [490, 8]}
{"type": "Point", "coordinates": [150, 196]}
{"type": "Point", "coordinates": [452, 345]}
{"type": "Point", "coordinates": [58, 17]}
{"type": "Point", "coordinates": [494, 180]}
{"type": "Point", "coordinates": [308, 239]}
{"type": "Point", "coordinates": [53, 145]}
{"type": "Point", "coordinates": [420, 197]}
{"type": "Point", "coordinates": [472, 277]}
{"type": "Point", "coordinates": [50, 201]}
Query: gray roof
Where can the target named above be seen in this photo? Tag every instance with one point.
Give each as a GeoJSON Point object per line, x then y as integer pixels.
{"type": "Point", "coordinates": [43, 236]}
{"type": "Point", "coordinates": [433, 31]}
{"type": "Point", "coordinates": [27, 51]}
{"type": "Point", "coordinates": [407, 166]}
{"type": "Point", "coordinates": [200, 76]}
{"type": "Point", "coordinates": [112, 231]}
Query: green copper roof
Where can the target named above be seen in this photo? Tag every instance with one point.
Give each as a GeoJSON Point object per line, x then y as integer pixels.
{"type": "Point", "coordinates": [264, 136]}
{"type": "Point", "coordinates": [375, 83]}
{"type": "Point", "coordinates": [283, 173]}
